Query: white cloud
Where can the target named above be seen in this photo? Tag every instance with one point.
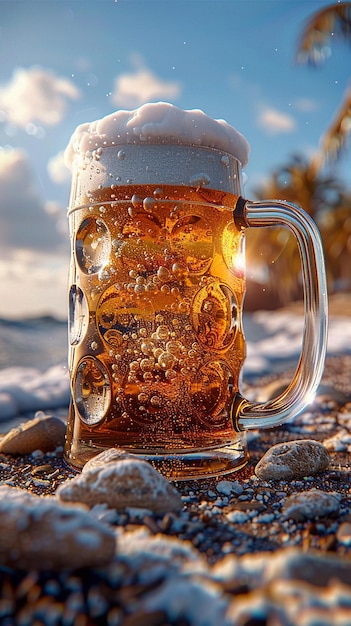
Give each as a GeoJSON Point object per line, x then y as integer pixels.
{"type": "Point", "coordinates": [57, 169]}
{"type": "Point", "coordinates": [30, 285]}
{"type": "Point", "coordinates": [36, 95]}
{"type": "Point", "coordinates": [136, 88]}
{"type": "Point", "coordinates": [306, 105]}
{"type": "Point", "coordinates": [275, 122]}
{"type": "Point", "coordinates": [24, 222]}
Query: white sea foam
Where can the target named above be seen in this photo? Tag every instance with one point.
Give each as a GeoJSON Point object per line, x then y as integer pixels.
{"type": "Point", "coordinates": [157, 123]}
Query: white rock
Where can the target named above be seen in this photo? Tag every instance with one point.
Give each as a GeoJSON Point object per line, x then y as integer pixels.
{"type": "Point", "coordinates": [125, 483]}
{"type": "Point", "coordinates": [42, 533]}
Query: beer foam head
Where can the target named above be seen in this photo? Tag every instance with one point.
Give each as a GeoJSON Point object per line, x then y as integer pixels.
{"type": "Point", "coordinates": [157, 123]}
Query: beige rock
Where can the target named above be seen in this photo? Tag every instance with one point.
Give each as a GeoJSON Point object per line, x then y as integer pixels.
{"type": "Point", "coordinates": [343, 534]}
{"type": "Point", "coordinates": [125, 483]}
{"type": "Point", "coordinates": [41, 433]}
{"type": "Point", "coordinates": [41, 533]}
{"type": "Point", "coordinates": [293, 459]}
{"type": "Point", "coordinates": [111, 455]}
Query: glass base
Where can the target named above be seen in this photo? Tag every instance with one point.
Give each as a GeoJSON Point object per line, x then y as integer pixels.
{"type": "Point", "coordinates": [208, 463]}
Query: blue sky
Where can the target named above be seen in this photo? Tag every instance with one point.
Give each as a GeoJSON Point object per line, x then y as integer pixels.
{"type": "Point", "coordinates": [67, 62]}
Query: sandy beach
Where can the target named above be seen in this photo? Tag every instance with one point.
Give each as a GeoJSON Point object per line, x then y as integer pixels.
{"type": "Point", "coordinates": [241, 550]}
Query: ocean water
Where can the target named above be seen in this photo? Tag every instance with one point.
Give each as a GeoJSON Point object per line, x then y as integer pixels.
{"type": "Point", "coordinates": [33, 356]}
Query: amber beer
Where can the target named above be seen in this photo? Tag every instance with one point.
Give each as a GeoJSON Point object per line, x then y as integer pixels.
{"type": "Point", "coordinates": [155, 320]}
{"type": "Point", "coordinates": [157, 223]}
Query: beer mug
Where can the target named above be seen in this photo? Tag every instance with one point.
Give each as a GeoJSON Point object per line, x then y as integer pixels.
{"type": "Point", "coordinates": [157, 226]}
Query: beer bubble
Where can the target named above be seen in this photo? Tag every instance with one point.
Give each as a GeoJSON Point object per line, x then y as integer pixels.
{"type": "Point", "coordinates": [134, 366]}
{"type": "Point", "coordinates": [159, 193]}
{"type": "Point", "coordinates": [157, 353]}
{"type": "Point", "coordinates": [93, 345]}
{"type": "Point", "coordinates": [148, 377]}
{"type": "Point", "coordinates": [175, 291]}
{"type": "Point", "coordinates": [140, 280]}
{"type": "Point", "coordinates": [165, 289]}
{"type": "Point", "coordinates": [146, 365]}
{"type": "Point", "coordinates": [139, 288]}
{"type": "Point", "coordinates": [134, 336]}
{"type": "Point", "coordinates": [121, 155]}
{"type": "Point", "coordinates": [133, 273]}
{"type": "Point", "coordinates": [147, 347]}
{"type": "Point", "coordinates": [142, 397]}
{"type": "Point", "coordinates": [174, 347]}
{"type": "Point", "coordinates": [162, 332]}
{"type": "Point", "coordinates": [159, 318]}
{"type": "Point", "coordinates": [137, 201]}
{"type": "Point", "coordinates": [164, 274]}
{"type": "Point", "coordinates": [170, 374]}
{"type": "Point", "coordinates": [149, 203]}
{"type": "Point", "coordinates": [151, 287]}
{"type": "Point", "coordinates": [166, 360]}
{"type": "Point", "coordinates": [179, 270]}
{"type": "Point", "coordinates": [142, 332]}
{"type": "Point", "coordinates": [156, 401]}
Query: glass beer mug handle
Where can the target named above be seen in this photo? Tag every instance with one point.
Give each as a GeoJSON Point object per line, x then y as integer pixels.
{"type": "Point", "coordinates": [247, 415]}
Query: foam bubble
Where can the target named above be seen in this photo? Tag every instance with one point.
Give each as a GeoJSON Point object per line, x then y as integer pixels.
{"type": "Point", "coordinates": [156, 123]}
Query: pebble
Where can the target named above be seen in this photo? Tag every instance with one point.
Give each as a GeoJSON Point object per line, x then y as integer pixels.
{"type": "Point", "coordinates": [293, 459]}
{"type": "Point", "coordinates": [343, 534]}
{"type": "Point", "coordinates": [42, 533]}
{"type": "Point", "coordinates": [340, 442]}
{"type": "Point", "coordinates": [44, 433]}
{"type": "Point", "coordinates": [126, 483]}
{"type": "Point", "coordinates": [311, 504]}
{"type": "Point", "coordinates": [227, 487]}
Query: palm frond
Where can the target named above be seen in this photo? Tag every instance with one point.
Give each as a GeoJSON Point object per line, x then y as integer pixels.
{"type": "Point", "coordinates": [334, 141]}
{"type": "Point", "coordinates": [331, 22]}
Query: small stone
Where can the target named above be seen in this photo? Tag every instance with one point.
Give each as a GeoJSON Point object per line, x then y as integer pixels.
{"type": "Point", "coordinates": [227, 487]}
{"type": "Point", "coordinates": [42, 533]}
{"type": "Point", "coordinates": [343, 534]}
{"type": "Point", "coordinates": [111, 455]}
{"type": "Point", "coordinates": [43, 433]}
{"type": "Point", "coordinates": [311, 504]}
{"type": "Point", "coordinates": [125, 483]}
{"type": "Point", "coordinates": [340, 442]}
{"type": "Point", "coordinates": [294, 459]}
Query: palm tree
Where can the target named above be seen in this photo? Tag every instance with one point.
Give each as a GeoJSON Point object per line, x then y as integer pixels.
{"type": "Point", "coordinates": [323, 196]}
{"type": "Point", "coordinates": [306, 183]}
{"type": "Point", "coordinates": [332, 22]}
